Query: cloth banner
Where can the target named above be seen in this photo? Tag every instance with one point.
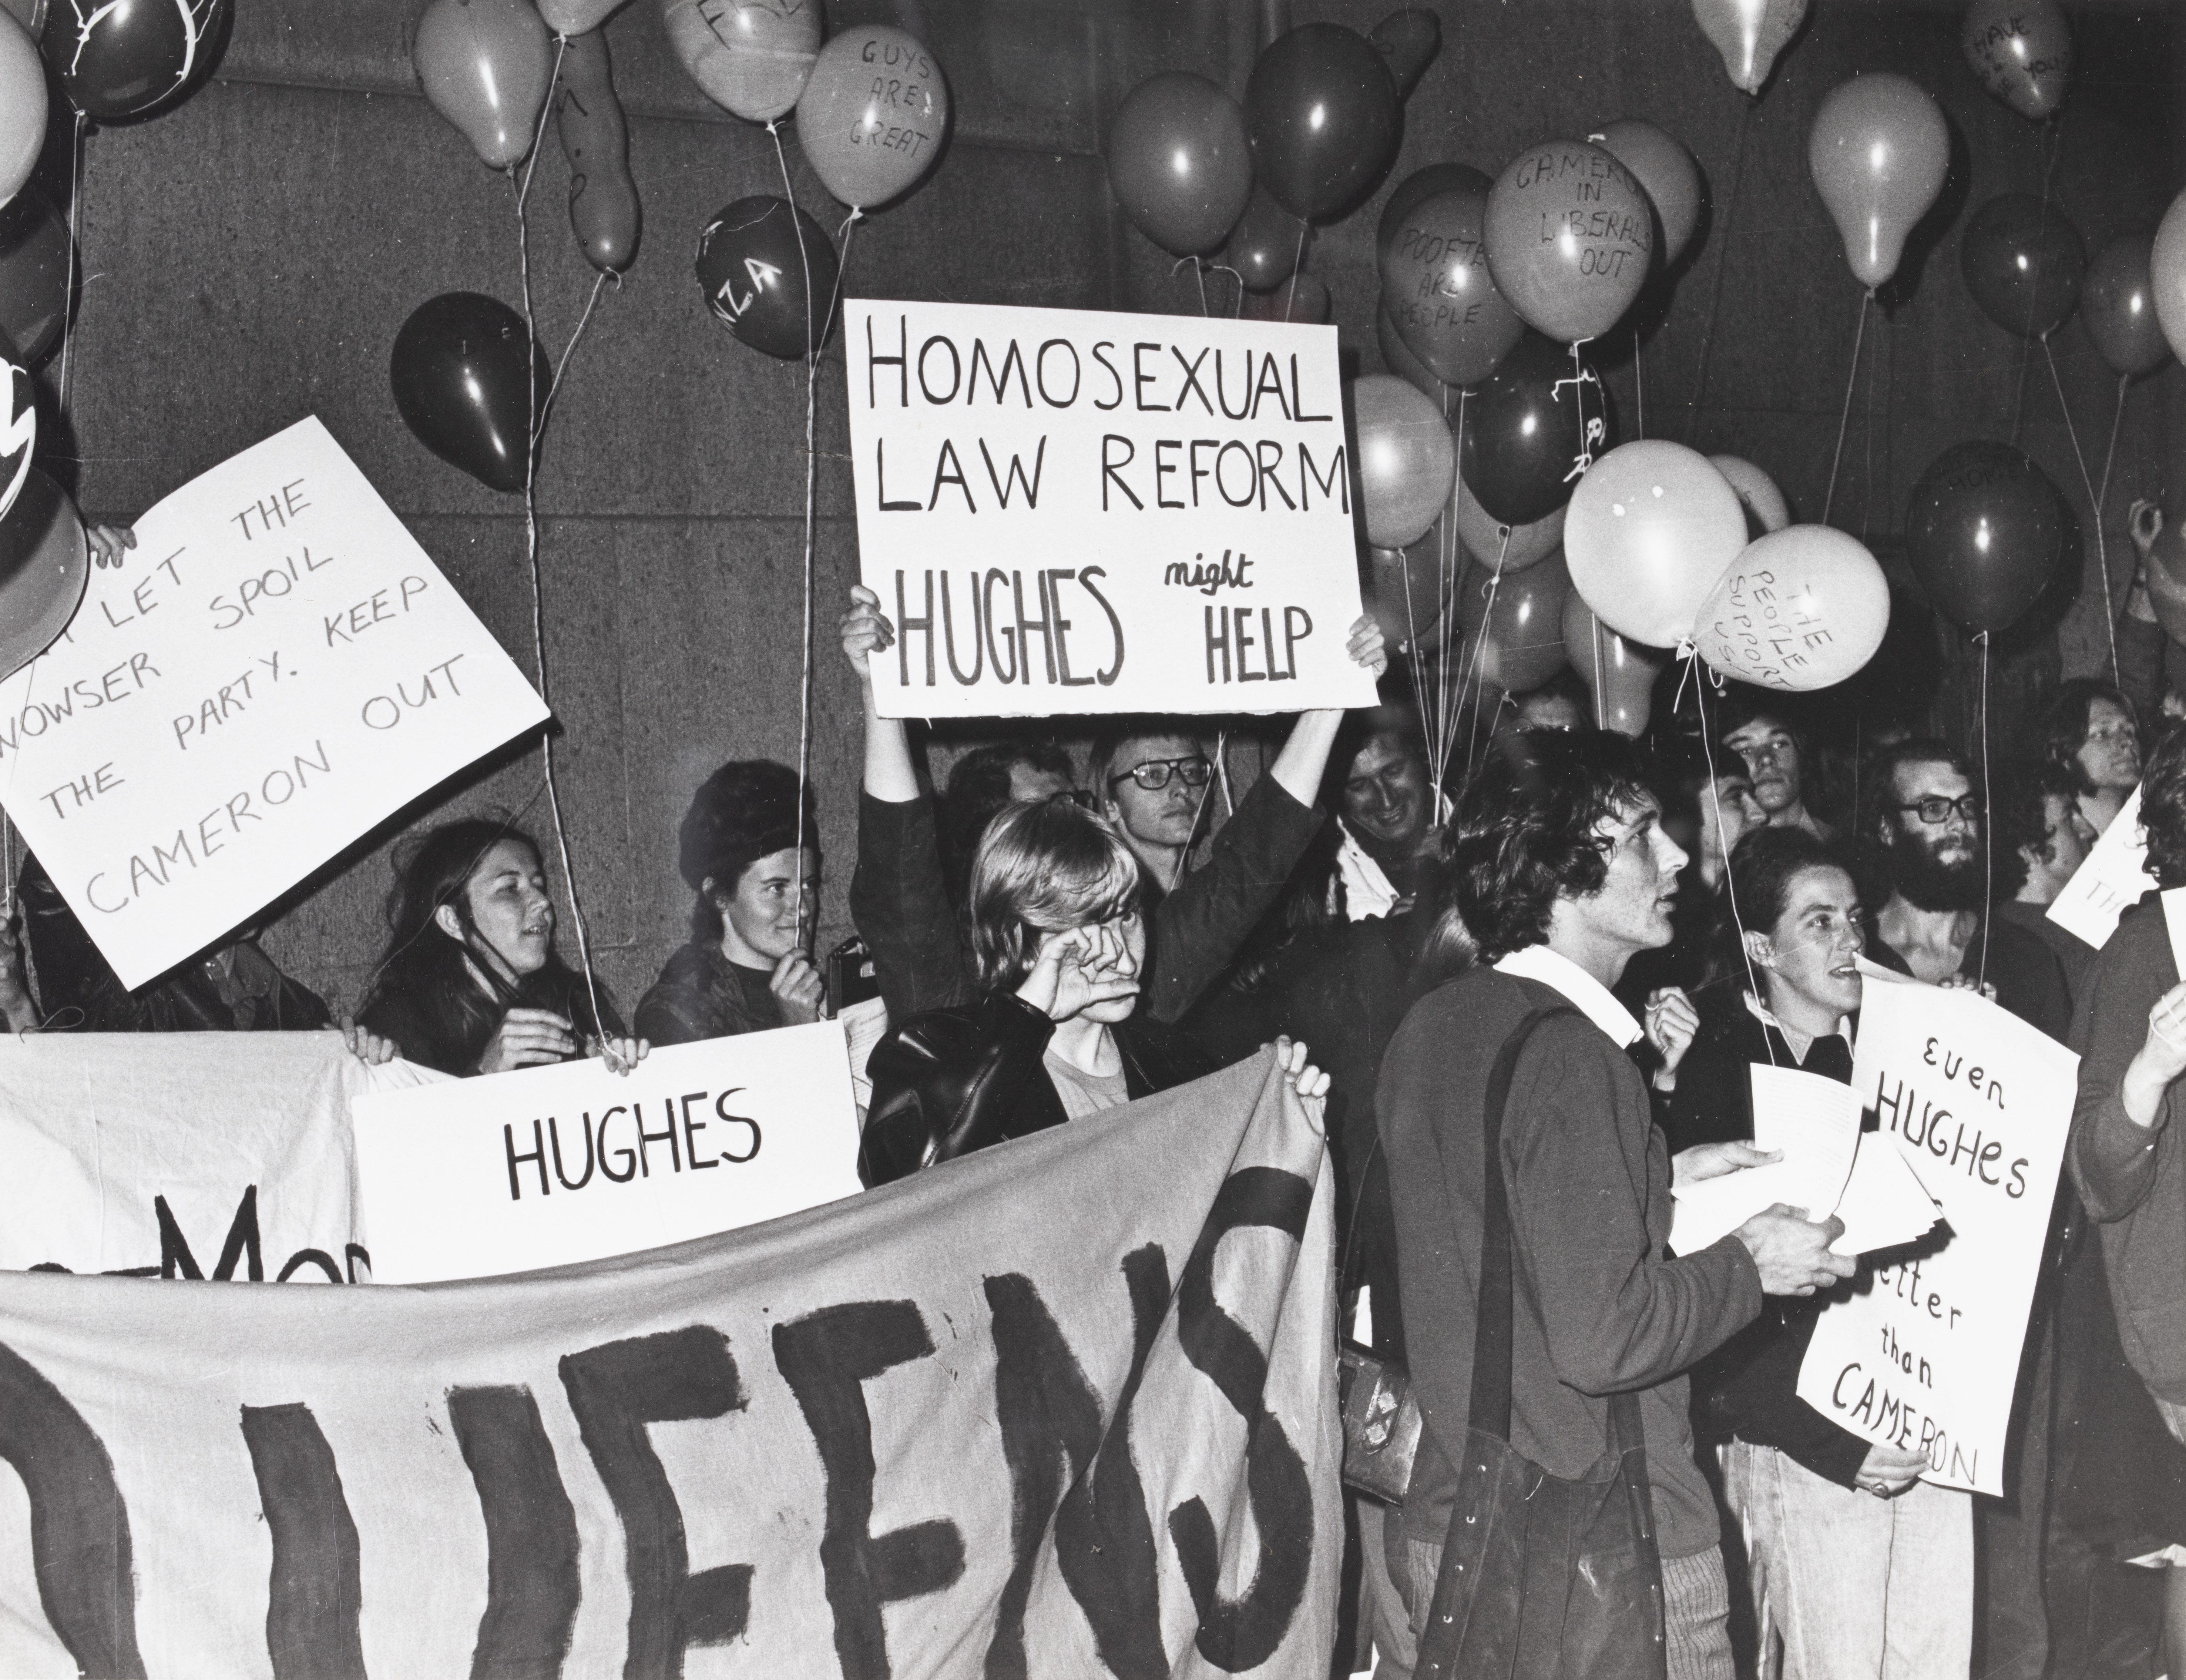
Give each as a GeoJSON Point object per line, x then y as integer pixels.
{"type": "Point", "coordinates": [1925, 1353]}
{"type": "Point", "coordinates": [184, 1155]}
{"type": "Point", "coordinates": [1064, 1408]}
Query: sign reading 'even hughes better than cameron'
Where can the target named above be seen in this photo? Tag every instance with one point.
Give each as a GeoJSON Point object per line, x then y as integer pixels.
{"type": "Point", "coordinates": [1072, 511]}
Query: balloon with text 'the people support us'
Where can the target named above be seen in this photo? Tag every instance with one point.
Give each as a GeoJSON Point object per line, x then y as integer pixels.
{"type": "Point", "coordinates": [466, 389]}
{"type": "Point", "coordinates": [2022, 52]}
{"type": "Point", "coordinates": [118, 62]}
{"type": "Point", "coordinates": [753, 274]}
{"type": "Point", "coordinates": [1879, 151]}
{"type": "Point", "coordinates": [1800, 608]}
{"type": "Point", "coordinates": [486, 65]}
{"type": "Point", "coordinates": [2023, 261]}
{"type": "Point", "coordinates": [1749, 34]}
{"type": "Point", "coordinates": [752, 58]}
{"type": "Point", "coordinates": [1178, 162]}
{"type": "Point", "coordinates": [1651, 528]}
{"type": "Point", "coordinates": [1985, 533]}
{"type": "Point", "coordinates": [1570, 237]}
{"type": "Point", "coordinates": [1324, 119]}
{"type": "Point", "coordinates": [873, 115]}
{"type": "Point", "coordinates": [1437, 290]}
{"type": "Point", "coordinates": [2117, 305]}
{"type": "Point", "coordinates": [1407, 461]}
{"type": "Point", "coordinates": [1526, 431]}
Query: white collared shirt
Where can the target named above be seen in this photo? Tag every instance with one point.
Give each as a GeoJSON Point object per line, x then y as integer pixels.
{"type": "Point", "coordinates": [1580, 989]}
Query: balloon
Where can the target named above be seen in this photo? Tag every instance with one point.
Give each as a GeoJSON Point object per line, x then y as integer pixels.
{"type": "Point", "coordinates": [19, 426]}
{"type": "Point", "coordinates": [1524, 433]}
{"type": "Point", "coordinates": [573, 18]}
{"type": "Point", "coordinates": [1666, 172]}
{"type": "Point", "coordinates": [604, 212]}
{"type": "Point", "coordinates": [1403, 595]}
{"type": "Point", "coordinates": [1323, 115]}
{"type": "Point", "coordinates": [1505, 548]}
{"type": "Point", "coordinates": [1414, 190]}
{"type": "Point", "coordinates": [1303, 297]}
{"type": "Point", "coordinates": [464, 388]}
{"type": "Point", "coordinates": [1619, 675]}
{"type": "Point", "coordinates": [1802, 608]}
{"type": "Point", "coordinates": [34, 275]}
{"type": "Point", "coordinates": [752, 58]}
{"type": "Point", "coordinates": [486, 65]}
{"type": "Point", "coordinates": [116, 62]}
{"type": "Point", "coordinates": [872, 115]}
{"type": "Point", "coordinates": [1569, 234]}
{"type": "Point", "coordinates": [1518, 622]}
{"type": "Point", "coordinates": [2167, 582]}
{"type": "Point", "coordinates": [1766, 509]}
{"type": "Point", "coordinates": [2023, 262]}
{"type": "Point", "coordinates": [1408, 41]}
{"type": "Point", "coordinates": [1396, 356]}
{"type": "Point", "coordinates": [22, 107]}
{"type": "Point", "coordinates": [31, 13]}
{"type": "Point", "coordinates": [1406, 460]}
{"type": "Point", "coordinates": [1984, 532]}
{"type": "Point", "coordinates": [2166, 270]}
{"type": "Point", "coordinates": [1437, 289]}
{"type": "Point", "coordinates": [1652, 526]}
{"type": "Point", "coordinates": [1178, 162]}
{"type": "Point", "coordinates": [2022, 52]}
{"type": "Point", "coordinates": [754, 275]}
{"type": "Point", "coordinates": [45, 562]}
{"type": "Point", "coordinates": [2117, 307]}
{"type": "Point", "coordinates": [1749, 34]}
{"type": "Point", "coordinates": [1266, 244]}
{"type": "Point", "coordinates": [1878, 150]}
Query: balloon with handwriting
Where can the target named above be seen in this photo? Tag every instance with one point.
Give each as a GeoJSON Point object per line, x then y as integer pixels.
{"type": "Point", "coordinates": [1516, 621]}
{"type": "Point", "coordinates": [1985, 533]}
{"type": "Point", "coordinates": [1525, 429]}
{"type": "Point", "coordinates": [1766, 509]}
{"type": "Point", "coordinates": [1800, 608]}
{"type": "Point", "coordinates": [1878, 150]}
{"type": "Point", "coordinates": [1619, 674]}
{"type": "Point", "coordinates": [1267, 245]}
{"type": "Point", "coordinates": [22, 106]}
{"type": "Point", "coordinates": [2022, 52]}
{"type": "Point", "coordinates": [873, 114]}
{"type": "Point", "coordinates": [465, 386]}
{"type": "Point", "coordinates": [604, 210]}
{"type": "Point", "coordinates": [1666, 172]}
{"type": "Point", "coordinates": [1500, 547]}
{"type": "Point", "coordinates": [45, 561]}
{"type": "Point", "coordinates": [1570, 235]}
{"type": "Point", "coordinates": [1324, 119]}
{"type": "Point", "coordinates": [1406, 460]}
{"type": "Point", "coordinates": [1179, 163]}
{"type": "Point", "coordinates": [752, 58]}
{"type": "Point", "coordinates": [18, 424]}
{"type": "Point", "coordinates": [1438, 293]}
{"type": "Point", "coordinates": [2023, 261]}
{"type": "Point", "coordinates": [754, 272]}
{"type": "Point", "coordinates": [34, 275]}
{"type": "Point", "coordinates": [1415, 189]}
{"type": "Point", "coordinates": [118, 62]}
{"type": "Point", "coordinates": [1652, 526]}
{"type": "Point", "coordinates": [2117, 307]}
{"type": "Point", "coordinates": [485, 65]}
{"type": "Point", "coordinates": [1749, 34]}
{"type": "Point", "coordinates": [1408, 41]}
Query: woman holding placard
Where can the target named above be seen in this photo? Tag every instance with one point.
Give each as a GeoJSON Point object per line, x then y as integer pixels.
{"type": "Point", "coordinates": [1856, 1567]}
{"type": "Point", "coordinates": [470, 982]}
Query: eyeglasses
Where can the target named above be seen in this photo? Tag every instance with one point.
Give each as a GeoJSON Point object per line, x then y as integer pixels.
{"type": "Point", "coordinates": [1936, 810]}
{"type": "Point", "coordinates": [1153, 775]}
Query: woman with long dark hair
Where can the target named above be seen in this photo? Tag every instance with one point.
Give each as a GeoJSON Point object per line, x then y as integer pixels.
{"type": "Point", "coordinates": [470, 982]}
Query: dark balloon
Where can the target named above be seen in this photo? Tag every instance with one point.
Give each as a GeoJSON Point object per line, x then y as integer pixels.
{"type": "Point", "coordinates": [19, 425]}
{"type": "Point", "coordinates": [463, 384]}
{"type": "Point", "coordinates": [1985, 533]}
{"type": "Point", "coordinates": [753, 273]}
{"type": "Point", "coordinates": [1324, 119]}
{"type": "Point", "coordinates": [2117, 305]}
{"type": "Point", "coordinates": [34, 275]}
{"type": "Point", "coordinates": [2023, 261]}
{"type": "Point", "coordinates": [116, 62]}
{"type": "Point", "coordinates": [604, 212]}
{"type": "Point", "coordinates": [44, 564]}
{"type": "Point", "coordinates": [1266, 244]}
{"type": "Point", "coordinates": [1516, 621]}
{"type": "Point", "coordinates": [1177, 161]}
{"type": "Point", "coordinates": [1415, 189]}
{"type": "Point", "coordinates": [1524, 432]}
{"type": "Point", "coordinates": [1408, 41]}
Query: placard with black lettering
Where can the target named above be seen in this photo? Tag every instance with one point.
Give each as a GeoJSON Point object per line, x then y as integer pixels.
{"type": "Point", "coordinates": [1069, 511]}
{"type": "Point", "coordinates": [274, 670]}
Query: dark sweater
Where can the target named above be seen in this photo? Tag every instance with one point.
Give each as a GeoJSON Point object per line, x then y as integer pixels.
{"type": "Point", "coordinates": [702, 994]}
{"type": "Point", "coordinates": [1599, 1308]}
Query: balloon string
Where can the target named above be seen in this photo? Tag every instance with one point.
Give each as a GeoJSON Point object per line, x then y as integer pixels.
{"type": "Point", "coordinates": [1845, 418]}
{"type": "Point", "coordinates": [68, 288]}
{"type": "Point", "coordinates": [561, 367]}
{"type": "Point", "coordinates": [1722, 261]}
{"type": "Point", "coordinates": [2094, 503]}
{"type": "Point", "coordinates": [1297, 262]}
{"type": "Point", "coordinates": [811, 481]}
{"type": "Point", "coordinates": [1199, 273]}
{"type": "Point", "coordinates": [535, 415]}
{"type": "Point", "coordinates": [1988, 835]}
{"type": "Point", "coordinates": [1446, 701]}
{"type": "Point", "coordinates": [1639, 385]}
{"type": "Point", "coordinates": [1715, 797]}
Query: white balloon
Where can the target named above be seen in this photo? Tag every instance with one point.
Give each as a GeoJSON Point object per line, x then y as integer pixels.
{"type": "Point", "coordinates": [1800, 608]}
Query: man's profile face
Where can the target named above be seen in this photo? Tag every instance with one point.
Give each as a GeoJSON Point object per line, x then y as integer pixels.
{"type": "Point", "coordinates": [1772, 761]}
{"type": "Point", "coordinates": [1163, 816]}
{"type": "Point", "coordinates": [1387, 792]}
{"type": "Point", "coordinates": [1640, 887]}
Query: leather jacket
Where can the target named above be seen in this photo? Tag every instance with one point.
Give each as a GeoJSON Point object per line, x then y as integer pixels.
{"type": "Point", "coordinates": [948, 1082]}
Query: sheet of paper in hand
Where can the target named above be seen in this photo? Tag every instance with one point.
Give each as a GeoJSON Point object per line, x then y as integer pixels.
{"type": "Point", "coordinates": [1813, 1123]}
{"type": "Point", "coordinates": [2109, 881]}
{"type": "Point", "coordinates": [1073, 511]}
{"type": "Point", "coordinates": [1923, 1352]}
{"type": "Point", "coordinates": [276, 668]}
{"type": "Point", "coordinates": [553, 1165]}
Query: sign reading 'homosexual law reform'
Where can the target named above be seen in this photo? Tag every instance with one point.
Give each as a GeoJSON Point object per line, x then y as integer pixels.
{"type": "Point", "coordinates": [1071, 511]}
{"type": "Point", "coordinates": [275, 669]}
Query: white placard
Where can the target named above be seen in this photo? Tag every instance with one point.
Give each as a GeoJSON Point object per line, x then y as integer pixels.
{"type": "Point", "coordinates": [1813, 1123]}
{"type": "Point", "coordinates": [551, 1166]}
{"type": "Point", "coordinates": [2109, 880]}
{"type": "Point", "coordinates": [1885, 1206]}
{"type": "Point", "coordinates": [276, 668]}
{"type": "Point", "coordinates": [1070, 511]}
{"type": "Point", "coordinates": [1925, 1353]}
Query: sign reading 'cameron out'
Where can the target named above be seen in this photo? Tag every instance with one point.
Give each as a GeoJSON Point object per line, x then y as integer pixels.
{"type": "Point", "coordinates": [1073, 511]}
